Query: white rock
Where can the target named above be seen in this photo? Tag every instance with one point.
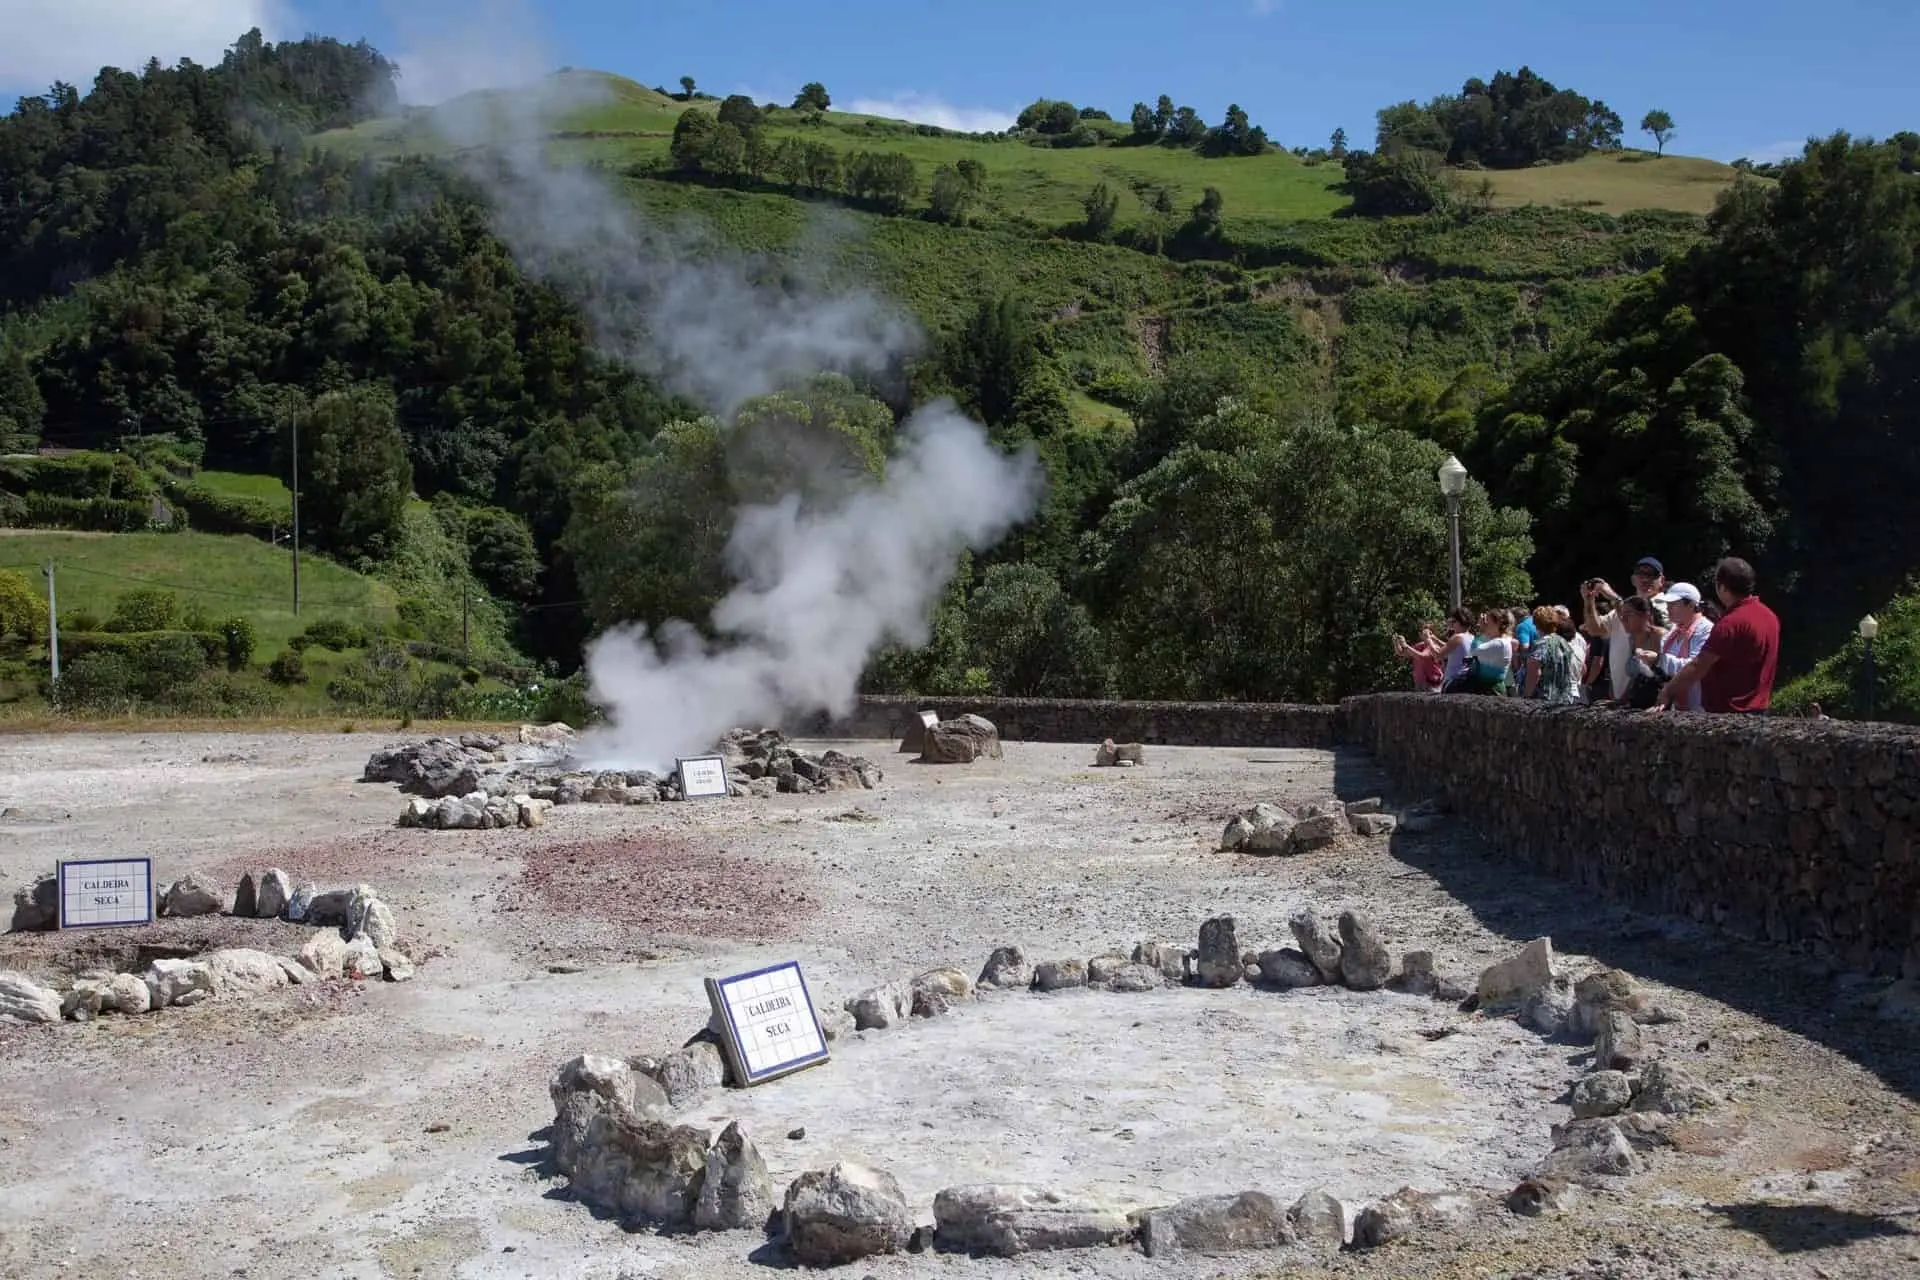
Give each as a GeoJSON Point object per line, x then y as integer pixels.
{"type": "Point", "coordinates": [369, 917]}
{"type": "Point", "coordinates": [325, 953]}
{"type": "Point", "coordinates": [128, 994]}
{"type": "Point", "coordinates": [533, 812]}
{"type": "Point", "coordinates": [190, 896]}
{"type": "Point", "coordinates": [241, 972]}
{"type": "Point", "coordinates": [177, 982]}
{"type": "Point", "coordinates": [1005, 1220]}
{"type": "Point", "coordinates": [86, 1001]}
{"type": "Point", "coordinates": [362, 959]}
{"type": "Point", "coordinates": [1509, 983]}
{"type": "Point", "coordinates": [270, 899]}
{"type": "Point", "coordinates": [397, 966]}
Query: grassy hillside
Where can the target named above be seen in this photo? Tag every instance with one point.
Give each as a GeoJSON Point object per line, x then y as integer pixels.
{"type": "Point", "coordinates": [221, 575]}
{"type": "Point", "coordinates": [1617, 183]}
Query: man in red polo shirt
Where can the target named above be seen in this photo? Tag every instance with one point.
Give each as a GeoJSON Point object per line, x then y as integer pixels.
{"type": "Point", "coordinates": [1735, 668]}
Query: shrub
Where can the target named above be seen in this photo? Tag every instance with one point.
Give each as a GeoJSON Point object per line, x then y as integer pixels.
{"type": "Point", "coordinates": [145, 609]}
{"type": "Point", "coordinates": [164, 663]}
{"type": "Point", "coordinates": [95, 682]}
{"type": "Point", "coordinates": [96, 515]}
{"type": "Point", "coordinates": [212, 512]}
{"type": "Point", "coordinates": [221, 695]}
{"type": "Point", "coordinates": [21, 608]}
{"type": "Point", "coordinates": [237, 631]}
{"type": "Point", "coordinates": [78, 620]}
{"type": "Point", "coordinates": [289, 668]}
{"type": "Point", "coordinates": [337, 634]}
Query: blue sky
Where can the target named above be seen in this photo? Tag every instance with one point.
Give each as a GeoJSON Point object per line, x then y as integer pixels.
{"type": "Point", "coordinates": [1741, 77]}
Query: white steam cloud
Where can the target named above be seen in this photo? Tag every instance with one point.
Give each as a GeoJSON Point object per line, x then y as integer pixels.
{"type": "Point", "coordinates": [819, 589]}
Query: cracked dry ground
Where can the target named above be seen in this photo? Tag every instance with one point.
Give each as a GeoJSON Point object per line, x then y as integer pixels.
{"type": "Point", "coordinates": [392, 1130]}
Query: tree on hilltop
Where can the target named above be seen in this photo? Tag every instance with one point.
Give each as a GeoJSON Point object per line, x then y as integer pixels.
{"type": "Point", "coordinates": [1660, 125]}
{"type": "Point", "coordinates": [738, 110]}
{"type": "Point", "coordinates": [812, 97]}
{"type": "Point", "coordinates": [1337, 146]}
{"type": "Point", "coordinates": [686, 88]}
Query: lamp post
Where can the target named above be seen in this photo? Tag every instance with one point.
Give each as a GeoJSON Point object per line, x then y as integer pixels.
{"type": "Point", "coordinates": [1869, 628]}
{"type": "Point", "coordinates": [1453, 484]}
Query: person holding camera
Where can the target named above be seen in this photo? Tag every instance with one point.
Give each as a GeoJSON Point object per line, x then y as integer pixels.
{"type": "Point", "coordinates": [1649, 580]}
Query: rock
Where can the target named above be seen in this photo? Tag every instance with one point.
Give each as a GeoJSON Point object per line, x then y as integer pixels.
{"type": "Point", "coordinates": [1171, 961]}
{"type": "Point", "coordinates": [1547, 1009]}
{"type": "Point", "coordinates": [241, 972]}
{"type": "Point", "coordinates": [1320, 1220]}
{"type": "Point", "coordinates": [1111, 753]}
{"type": "Point", "coordinates": [836, 1024]}
{"type": "Point", "coordinates": [1214, 1225]}
{"type": "Point", "coordinates": [583, 1088]}
{"type": "Point", "coordinates": [1317, 943]}
{"type": "Point", "coordinates": [85, 1002]}
{"type": "Point", "coordinates": [690, 1071]}
{"type": "Point", "coordinates": [1359, 808]}
{"type": "Point", "coordinates": [1288, 969]}
{"type": "Point", "coordinates": [546, 735]}
{"type": "Point", "coordinates": [1669, 1090]}
{"type": "Point", "coordinates": [1217, 963]}
{"type": "Point", "coordinates": [24, 1000]}
{"type": "Point", "coordinates": [1416, 976]}
{"type": "Point", "coordinates": [1588, 1149]}
{"type": "Point", "coordinates": [1317, 832]}
{"type": "Point", "coordinates": [1373, 824]}
{"type": "Point", "coordinates": [1365, 963]}
{"type": "Point", "coordinates": [177, 982]}
{"type": "Point", "coordinates": [735, 1193]}
{"type": "Point", "coordinates": [930, 1002]}
{"type": "Point", "coordinates": [642, 1169]}
{"type": "Point", "coordinates": [188, 896]}
{"type": "Point", "coordinates": [368, 917]}
{"type": "Point", "coordinates": [361, 959]}
{"type": "Point", "coordinates": [1599, 993]}
{"type": "Point", "coordinates": [1618, 1045]}
{"type": "Point", "coordinates": [328, 908]}
{"type": "Point", "coordinates": [1101, 969]}
{"type": "Point", "coordinates": [878, 1008]}
{"type": "Point", "coordinates": [325, 953]}
{"type": "Point", "coordinates": [1507, 984]}
{"type": "Point", "coordinates": [127, 994]}
{"type": "Point", "coordinates": [1058, 975]}
{"type": "Point", "coordinates": [840, 1215]}
{"type": "Point", "coordinates": [36, 905]}
{"type": "Point", "coordinates": [1604, 1093]}
{"type": "Point", "coordinates": [1383, 1223]}
{"type": "Point", "coordinates": [1542, 1195]}
{"type": "Point", "coordinates": [961, 741]}
{"type": "Point", "coordinates": [244, 898]}
{"type": "Point", "coordinates": [1008, 969]}
{"type": "Point", "coordinates": [271, 895]}
{"type": "Point", "coordinates": [531, 812]}
{"type": "Point", "coordinates": [395, 964]}
{"type": "Point", "coordinates": [949, 982]}
{"type": "Point", "coordinates": [1135, 978]}
{"type": "Point", "coordinates": [1264, 828]}
{"type": "Point", "coordinates": [434, 768]}
{"type": "Point", "coordinates": [301, 899]}
{"type": "Point", "coordinates": [1007, 1220]}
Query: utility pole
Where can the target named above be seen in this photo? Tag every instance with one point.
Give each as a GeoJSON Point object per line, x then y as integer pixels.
{"type": "Point", "coordinates": [53, 623]}
{"type": "Point", "coordinates": [466, 619]}
{"type": "Point", "coordinates": [296, 515]}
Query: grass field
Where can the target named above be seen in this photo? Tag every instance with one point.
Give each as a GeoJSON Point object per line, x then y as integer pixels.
{"type": "Point", "coordinates": [621, 123]}
{"type": "Point", "coordinates": [260, 488]}
{"type": "Point", "coordinates": [223, 575]}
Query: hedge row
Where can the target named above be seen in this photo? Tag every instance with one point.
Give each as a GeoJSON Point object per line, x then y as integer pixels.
{"type": "Point", "coordinates": [211, 512]}
{"type": "Point", "coordinates": [96, 515]}
{"type": "Point", "coordinates": [133, 644]}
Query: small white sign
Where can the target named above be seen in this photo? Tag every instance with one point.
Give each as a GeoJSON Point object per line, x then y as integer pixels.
{"type": "Point", "coordinates": [702, 777]}
{"type": "Point", "coordinates": [929, 720]}
{"type": "Point", "coordinates": [768, 1027]}
{"type": "Point", "coordinates": [95, 894]}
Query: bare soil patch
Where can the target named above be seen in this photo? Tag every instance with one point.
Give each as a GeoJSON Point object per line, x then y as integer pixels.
{"type": "Point", "coordinates": [667, 885]}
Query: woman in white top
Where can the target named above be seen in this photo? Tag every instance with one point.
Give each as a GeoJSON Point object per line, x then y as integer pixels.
{"type": "Point", "coordinates": [1494, 652]}
{"type": "Point", "coordinates": [1459, 647]}
{"type": "Point", "coordinates": [1683, 643]}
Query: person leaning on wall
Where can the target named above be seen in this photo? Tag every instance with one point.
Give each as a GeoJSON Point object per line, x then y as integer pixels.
{"type": "Point", "coordinates": [1735, 668]}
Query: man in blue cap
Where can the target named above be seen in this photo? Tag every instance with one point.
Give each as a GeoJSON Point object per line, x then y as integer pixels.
{"type": "Point", "coordinates": [1649, 580]}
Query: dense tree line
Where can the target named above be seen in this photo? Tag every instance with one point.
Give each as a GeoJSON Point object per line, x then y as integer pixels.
{"type": "Point", "coordinates": [1514, 120]}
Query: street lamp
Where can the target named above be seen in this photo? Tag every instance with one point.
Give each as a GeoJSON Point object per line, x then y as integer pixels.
{"type": "Point", "coordinates": [1453, 484]}
{"type": "Point", "coordinates": [1869, 628]}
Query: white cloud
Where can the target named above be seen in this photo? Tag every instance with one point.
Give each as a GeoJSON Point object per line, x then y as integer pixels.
{"type": "Point", "coordinates": [926, 109]}
{"type": "Point", "coordinates": [1774, 152]}
{"type": "Point", "coordinates": [1261, 8]}
{"type": "Point", "coordinates": [48, 40]}
{"type": "Point", "coordinates": [499, 45]}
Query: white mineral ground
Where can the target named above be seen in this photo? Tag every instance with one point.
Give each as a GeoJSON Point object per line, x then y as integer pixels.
{"type": "Point", "coordinates": [373, 1130]}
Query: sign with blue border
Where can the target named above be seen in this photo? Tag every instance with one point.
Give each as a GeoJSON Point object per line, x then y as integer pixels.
{"type": "Point", "coordinates": [107, 892]}
{"type": "Point", "coordinates": [702, 777]}
{"type": "Point", "coordinates": [767, 1024]}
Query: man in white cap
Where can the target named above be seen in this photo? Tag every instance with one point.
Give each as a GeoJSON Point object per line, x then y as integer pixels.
{"type": "Point", "coordinates": [1681, 645]}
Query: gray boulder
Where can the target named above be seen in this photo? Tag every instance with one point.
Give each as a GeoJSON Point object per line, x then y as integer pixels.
{"type": "Point", "coordinates": [1507, 985]}
{"type": "Point", "coordinates": [24, 1000]}
{"type": "Point", "coordinates": [1059, 975]}
{"type": "Point", "coordinates": [1669, 1090]}
{"type": "Point", "coordinates": [878, 1008]}
{"type": "Point", "coordinates": [1008, 1220]}
{"type": "Point", "coordinates": [1318, 944]}
{"type": "Point", "coordinates": [190, 896]}
{"type": "Point", "coordinates": [1317, 832]}
{"type": "Point", "coordinates": [1320, 1220]}
{"type": "Point", "coordinates": [840, 1215]}
{"type": "Point", "coordinates": [369, 917]}
{"type": "Point", "coordinates": [239, 973]}
{"type": "Point", "coordinates": [1217, 962]}
{"type": "Point", "coordinates": [434, 768]}
{"type": "Point", "coordinates": [1215, 1225]}
{"type": "Point", "coordinates": [643, 1170]}
{"type": "Point", "coordinates": [1587, 1149]}
{"type": "Point", "coordinates": [1619, 1045]}
{"type": "Point", "coordinates": [328, 909]}
{"type": "Point", "coordinates": [244, 898]}
{"type": "Point", "coordinates": [1604, 1093]}
{"type": "Point", "coordinates": [1288, 969]}
{"type": "Point", "coordinates": [1373, 824]}
{"type": "Point", "coordinates": [1008, 969]}
{"type": "Point", "coordinates": [1134, 978]}
{"type": "Point", "coordinates": [36, 905]}
{"type": "Point", "coordinates": [1264, 828]}
{"type": "Point", "coordinates": [690, 1071]}
{"type": "Point", "coordinates": [961, 741]}
{"type": "Point", "coordinates": [1111, 754]}
{"type": "Point", "coordinates": [1170, 960]}
{"type": "Point", "coordinates": [177, 982]}
{"type": "Point", "coordinates": [735, 1193]}
{"type": "Point", "coordinates": [1602, 992]}
{"type": "Point", "coordinates": [1365, 963]}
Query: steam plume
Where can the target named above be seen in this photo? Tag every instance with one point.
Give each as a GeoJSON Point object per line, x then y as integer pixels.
{"type": "Point", "coordinates": [819, 590]}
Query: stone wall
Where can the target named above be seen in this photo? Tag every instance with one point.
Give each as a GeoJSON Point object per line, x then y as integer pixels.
{"type": "Point", "coordinates": [1790, 831]}
{"type": "Point", "coordinates": [1183, 724]}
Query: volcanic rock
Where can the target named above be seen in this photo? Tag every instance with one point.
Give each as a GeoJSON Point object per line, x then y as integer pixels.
{"type": "Point", "coordinates": [961, 741]}
{"type": "Point", "coordinates": [840, 1215]}
{"type": "Point", "coordinates": [1007, 1220]}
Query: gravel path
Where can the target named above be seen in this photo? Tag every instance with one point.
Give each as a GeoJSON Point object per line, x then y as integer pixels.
{"type": "Point", "coordinates": [395, 1129]}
